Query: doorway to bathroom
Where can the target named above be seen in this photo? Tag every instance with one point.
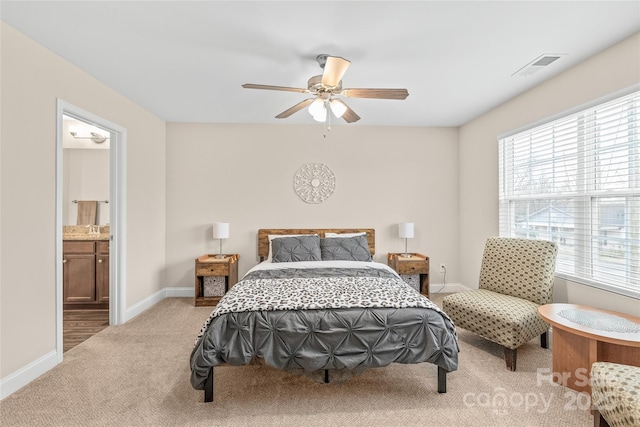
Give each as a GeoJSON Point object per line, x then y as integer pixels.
{"type": "Point", "coordinates": [85, 230]}
{"type": "Point", "coordinates": [89, 223]}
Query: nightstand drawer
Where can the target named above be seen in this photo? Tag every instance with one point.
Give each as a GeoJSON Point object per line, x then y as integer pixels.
{"type": "Point", "coordinates": [213, 269]}
{"type": "Point", "coordinates": [413, 267]}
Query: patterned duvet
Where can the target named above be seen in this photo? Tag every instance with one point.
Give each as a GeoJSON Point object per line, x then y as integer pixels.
{"type": "Point", "coordinates": [317, 316]}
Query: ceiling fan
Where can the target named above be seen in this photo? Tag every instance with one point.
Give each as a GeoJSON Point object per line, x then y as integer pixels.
{"type": "Point", "coordinates": [327, 88]}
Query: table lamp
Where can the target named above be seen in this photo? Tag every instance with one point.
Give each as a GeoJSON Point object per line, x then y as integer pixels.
{"type": "Point", "coordinates": [221, 232]}
{"type": "Point", "coordinates": [405, 230]}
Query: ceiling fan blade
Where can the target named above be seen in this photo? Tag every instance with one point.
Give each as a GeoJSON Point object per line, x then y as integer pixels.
{"type": "Point", "coordinates": [299, 106]}
{"type": "Point", "coordinates": [349, 115]}
{"type": "Point", "coordinates": [268, 87]}
{"type": "Point", "coordinates": [376, 93]}
{"type": "Point", "coordinates": [334, 69]}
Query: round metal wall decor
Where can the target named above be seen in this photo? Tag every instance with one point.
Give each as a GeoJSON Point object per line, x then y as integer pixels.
{"type": "Point", "coordinates": [314, 182]}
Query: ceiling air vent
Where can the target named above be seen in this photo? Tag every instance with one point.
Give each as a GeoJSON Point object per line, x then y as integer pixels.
{"type": "Point", "coordinates": [538, 64]}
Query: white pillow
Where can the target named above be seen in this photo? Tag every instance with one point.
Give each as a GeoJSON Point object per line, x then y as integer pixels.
{"type": "Point", "coordinates": [275, 236]}
{"type": "Point", "coordinates": [363, 233]}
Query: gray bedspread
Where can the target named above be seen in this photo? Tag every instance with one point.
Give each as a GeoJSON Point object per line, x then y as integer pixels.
{"type": "Point", "coordinates": [306, 320]}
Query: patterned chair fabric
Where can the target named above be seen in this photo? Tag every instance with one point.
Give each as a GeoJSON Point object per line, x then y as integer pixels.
{"type": "Point", "coordinates": [519, 267]}
{"type": "Point", "coordinates": [615, 394]}
{"type": "Point", "coordinates": [516, 277]}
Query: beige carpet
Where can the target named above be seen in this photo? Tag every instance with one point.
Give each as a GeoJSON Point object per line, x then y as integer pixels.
{"type": "Point", "coordinates": [138, 374]}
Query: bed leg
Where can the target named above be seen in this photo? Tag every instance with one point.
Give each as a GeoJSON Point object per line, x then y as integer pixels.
{"type": "Point", "coordinates": [326, 376]}
{"type": "Point", "coordinates": [442, 380]}
{"type": "Point", "coordinates": [208, 387]}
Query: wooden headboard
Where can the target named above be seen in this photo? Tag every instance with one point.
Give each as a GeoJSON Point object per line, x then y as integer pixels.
{"type": "Point", "coordinates": [263, 236]}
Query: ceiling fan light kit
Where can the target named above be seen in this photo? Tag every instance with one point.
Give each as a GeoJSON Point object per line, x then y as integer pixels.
{"type": "Point", "coordinates": [327, 88]}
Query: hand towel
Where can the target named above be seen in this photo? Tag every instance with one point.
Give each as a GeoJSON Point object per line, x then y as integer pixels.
{"type": "Point", "coordinates": [87, 212]}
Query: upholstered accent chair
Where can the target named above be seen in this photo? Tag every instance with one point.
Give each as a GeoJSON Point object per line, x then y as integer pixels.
{"type": "Point", "coordinates": [516, 278]}
{"type": "Point", "coordinates": [615, 394]}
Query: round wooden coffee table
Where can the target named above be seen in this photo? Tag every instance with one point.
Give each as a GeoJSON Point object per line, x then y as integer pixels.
{"type": "Point", "coordinates": [583, 335]}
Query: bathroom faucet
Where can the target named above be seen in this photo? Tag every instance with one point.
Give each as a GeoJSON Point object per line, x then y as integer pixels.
{"type": "Point", "coordinates": [94, 229]}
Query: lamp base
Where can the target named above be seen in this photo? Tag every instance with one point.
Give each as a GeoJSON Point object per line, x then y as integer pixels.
{"type": "Point", "coordinates": [220, 256]}
{"type": "Point", "coordinates": [406, 255]}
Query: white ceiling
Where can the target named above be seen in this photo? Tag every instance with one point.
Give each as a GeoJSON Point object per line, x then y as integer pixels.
{"type": "Point", "coordinates": [186, 61]}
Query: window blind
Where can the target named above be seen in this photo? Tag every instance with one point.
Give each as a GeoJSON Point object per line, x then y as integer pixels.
{"type": "Point", "coordinates": [576, 181]}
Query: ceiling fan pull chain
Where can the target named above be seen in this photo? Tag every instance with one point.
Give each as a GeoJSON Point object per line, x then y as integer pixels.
{"type": "Point", "coordinates": [326, 105]}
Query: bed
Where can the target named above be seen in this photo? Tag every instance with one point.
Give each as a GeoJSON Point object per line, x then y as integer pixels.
{"type": "Point", "coordinates": [318, 303]}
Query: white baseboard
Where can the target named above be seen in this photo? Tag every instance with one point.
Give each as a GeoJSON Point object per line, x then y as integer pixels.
{"type": "Point", "coordinates": [186, 292]}
{"type": "Point", "coordinates": [23, 376]}
{"type": "Point", "coordinates": [448, 288]}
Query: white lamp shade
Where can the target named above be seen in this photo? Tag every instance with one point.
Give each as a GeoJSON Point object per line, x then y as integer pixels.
{"type": "Point", "coordinates": [338, 108]}
{"type": "Point", "coordinates": [405, 230]}
{"type": "Point", "coordinates": [220, 230]}
{"type": "Point", "coordinates": [316, 107]}
{"type": "Point", "coordinates": [317, 110]}
{"type": "Point", "coordinates": [321, 116]}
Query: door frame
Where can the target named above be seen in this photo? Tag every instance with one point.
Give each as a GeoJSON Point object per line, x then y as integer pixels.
{"type": "Point", "coordinates": [117, 214]}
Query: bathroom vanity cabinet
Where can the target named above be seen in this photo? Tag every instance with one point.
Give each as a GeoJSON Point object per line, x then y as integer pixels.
{"type": "Point", "coordinates": [85, 266]}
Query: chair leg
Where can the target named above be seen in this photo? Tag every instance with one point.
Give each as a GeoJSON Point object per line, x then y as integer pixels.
{"type": "Point", "coordinates": [510, 358]}
{"type": "Point", "coordinates": [544, 339]}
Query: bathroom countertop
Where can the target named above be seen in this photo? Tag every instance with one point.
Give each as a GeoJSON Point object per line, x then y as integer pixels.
{"type": "Point", "coordinates": [85, 236]}
{"type": "Point", "coordinates": [81, 232]}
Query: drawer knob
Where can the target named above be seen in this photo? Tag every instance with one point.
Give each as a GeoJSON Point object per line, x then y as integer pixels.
{"type": "Point", "coordinates": [100, 260]}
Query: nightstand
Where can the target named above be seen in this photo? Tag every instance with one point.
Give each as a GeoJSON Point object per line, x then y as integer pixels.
{"type": "Point", "coordinates": [214, 277]}
{"type": "Point", "coordinates": [417, 264]}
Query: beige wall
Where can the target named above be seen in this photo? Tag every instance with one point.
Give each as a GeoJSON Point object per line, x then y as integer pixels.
{"type": "Point", "coordinates": [85, 177]}
{"type": "Point", "coordinates": [244, 175]}
{"type": "Point", "coordinates": [32, 78]}
{"type": "Point", "coordinates": [612, 70]}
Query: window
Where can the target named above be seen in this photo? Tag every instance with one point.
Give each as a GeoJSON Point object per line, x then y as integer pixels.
{"type": "Point", "coordinates": [576, 181]}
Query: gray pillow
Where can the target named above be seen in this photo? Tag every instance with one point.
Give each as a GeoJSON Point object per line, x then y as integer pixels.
{"type": "Point", "coordinates": [354, 248]}
{"type": "Point", "coordinates": [296, 248]}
